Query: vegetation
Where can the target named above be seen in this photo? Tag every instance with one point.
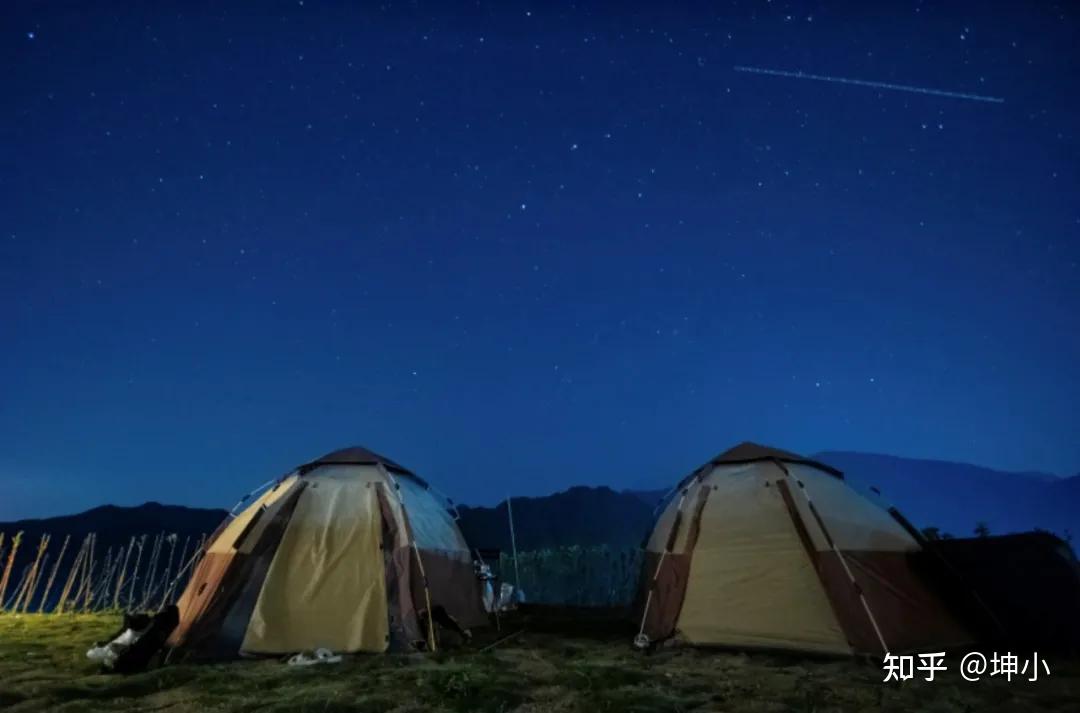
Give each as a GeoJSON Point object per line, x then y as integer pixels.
{"type": "Point", "coordinates": [935, 533]}
{"type": "Point", "coordinates": [599, 576]}
{"type": "Point", "coordinates": [581, 664]}
{"type": "Point", "coordinates": [94, 581]}
{"type": "Point", "coordinates": [150, 571]}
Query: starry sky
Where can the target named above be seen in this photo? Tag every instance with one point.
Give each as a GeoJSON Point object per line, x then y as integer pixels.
{"type": "Point", "coordinates": [520, 245]}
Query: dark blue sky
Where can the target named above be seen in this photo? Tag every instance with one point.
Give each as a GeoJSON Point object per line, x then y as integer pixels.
{"type": "Point", "coordinates": [519, 246]}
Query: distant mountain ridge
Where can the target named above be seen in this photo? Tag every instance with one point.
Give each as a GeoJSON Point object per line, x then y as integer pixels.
{"type": "Point", "coordinates": [956, 496]}
{"type": "Point", "coordinates": [579, 516]}
{"type": "Point", "coordinates": [950, 496]}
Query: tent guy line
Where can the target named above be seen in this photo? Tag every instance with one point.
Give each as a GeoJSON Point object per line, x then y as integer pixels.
{"type": "Point", "coordinates": [868, 83]}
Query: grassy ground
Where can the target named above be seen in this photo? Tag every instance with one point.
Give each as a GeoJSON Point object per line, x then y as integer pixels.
{"type": "Point", "coordinates": [567, 668]}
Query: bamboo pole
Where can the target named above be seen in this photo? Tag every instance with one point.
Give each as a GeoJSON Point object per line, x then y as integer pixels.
{"type": "Point", "coordinates": [102, 584]}
{"type": "Point", "coordinates": [108, 571]}
{"type": "Point", "coordinates": [37, 581]}
{"type": "Point", "coordinates": [148, 577]}
{"type": "Point", "coordinates": [88, 580]}
{"type": "Point", "coordinates": [123, 574]}
{"type": "Point", "coordinates": [149, 585]}
{"type": "Point", "coordinates": [135, 572]}
{"type": "Point", "coordinates": [18, 589]}
{"type": "Point", "coordinates": [52, 575]}
{"type": "Point", "coordinates": [83, 573]}
{"type": "Point", "coordinates": [168, 568]}
{"type": "Point", "coordinates": [191, 563]}
{"type": "Point", "coordinates": [31, 584]}
{"type": "Point", "coordinates": [179, 572]}
{"type": "Point", "coordinates": [10, 563]}
{"type": "Point", "coordinates": [72, 574]}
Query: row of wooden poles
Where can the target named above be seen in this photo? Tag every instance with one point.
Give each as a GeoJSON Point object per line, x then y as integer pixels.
{"type": "Point", "coordinates": [95, 583]}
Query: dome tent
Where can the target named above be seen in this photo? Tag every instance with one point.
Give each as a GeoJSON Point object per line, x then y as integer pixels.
{"type": "Point", "coordinates": [347, 553]}
{"type": "Point", "coordinates": [761, 548]}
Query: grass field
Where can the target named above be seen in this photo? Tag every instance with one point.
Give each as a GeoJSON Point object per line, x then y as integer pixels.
{"type": "Point", "coordinates": [548, 666]}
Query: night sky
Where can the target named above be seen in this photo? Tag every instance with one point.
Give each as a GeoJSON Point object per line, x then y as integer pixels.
{"type": "Point", "coordinates": [520, 246]}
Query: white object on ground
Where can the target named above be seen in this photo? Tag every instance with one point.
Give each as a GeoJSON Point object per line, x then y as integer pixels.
{"type": "Point", "coordinates": [319, 656]}
{"type": "Point", "coordinates": [106, 655]}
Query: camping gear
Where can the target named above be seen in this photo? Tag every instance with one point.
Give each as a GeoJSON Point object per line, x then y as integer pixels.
{"type": "Point", "coordinates": [316, 657]}
{"type": "Point", "coordinates": [139, 639]}
{"type": "Point", "coordinates": [1031, 583]}
{"type": "Point", "coordinates": [341, 553]}
{"type": "Point", "coordinates": [761, 548]}
{"type": "Point", "coordinates": [442, 628]}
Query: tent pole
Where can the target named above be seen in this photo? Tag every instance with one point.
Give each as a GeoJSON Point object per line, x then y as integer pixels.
{"type": "Point", "coordinates": [839, 555]}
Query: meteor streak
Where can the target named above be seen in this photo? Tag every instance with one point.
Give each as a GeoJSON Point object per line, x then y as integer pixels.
{"type": "Point", "coordinates": [865, 83]}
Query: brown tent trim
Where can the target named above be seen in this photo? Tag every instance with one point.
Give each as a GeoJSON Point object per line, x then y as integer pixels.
{"type": "Point", "coordinates": [812, 553]}
{"type": "Point", "coordinates": [839, 555]}
{"type": "Point", "coordinates": [249, 528]}
{"type": "Point", "coordinates": [411, 539]}
{"type": "Point", "coordinates": [404, 622]}
{"type": "Point", "coordinates": [800, 526]}
{"type": "Point", "coordinates": [201, 637]}
{"type": "Point", "coordinates": [662, 625]}
{"type": "Point", "coordinates": [746, 453]}
{"type": "Point", "coordinates": [358, 455]}
{"type": "Point", "coordinates": [695, 520]}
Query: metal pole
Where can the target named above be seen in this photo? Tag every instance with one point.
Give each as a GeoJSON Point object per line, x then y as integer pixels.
{"type": "Point", "coordinates": [513, 544]}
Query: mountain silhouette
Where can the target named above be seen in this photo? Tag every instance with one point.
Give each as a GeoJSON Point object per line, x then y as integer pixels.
{"type": "Point", "coordinates": [953, 497]}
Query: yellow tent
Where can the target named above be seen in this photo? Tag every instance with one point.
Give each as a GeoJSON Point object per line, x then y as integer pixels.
{"type": "Point", "coordinates": [766, 549]}
{"type": "Point", "coordinates": [349, 552]}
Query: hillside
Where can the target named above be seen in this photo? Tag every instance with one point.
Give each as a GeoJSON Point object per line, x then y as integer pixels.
{"type": "Point", "coordinates": [578, 516]}
{"type": "Point", "coordinates": [956, 496]}
{"type": "Point", "coordinates": [950, 496]}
